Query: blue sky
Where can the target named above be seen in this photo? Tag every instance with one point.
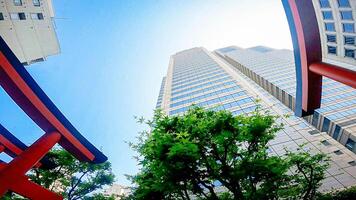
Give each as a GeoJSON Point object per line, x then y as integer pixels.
{"type": "Point", "coordinates": [114, 54]}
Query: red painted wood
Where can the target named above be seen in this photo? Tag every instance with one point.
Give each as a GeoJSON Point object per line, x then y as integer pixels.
{"type": "Point", "coordinates": [9, 145]}
{"type": "Point", "coordinates": [340, 74]}
{"type": "Point", "coordinates": [30, 95]}
{"type": "Point", "coordinates": [11, 176]}
{"type": "Point", "coordinates": [310, 51]}
{"type": "Point", "coordinates": [33, 191]}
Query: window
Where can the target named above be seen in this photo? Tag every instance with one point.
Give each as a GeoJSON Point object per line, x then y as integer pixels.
{"type": "Point", "coordinates": [38, 16]}
{"type": "Point", "coordinates": [350, 144]}
{"type": "Point", "coordinates": [348, 27]}
{"type": "Point", "coordinates": [350, 53]}
{"type": "Point", "coordinates": [18, 2]}
{"type": "Point", "coordinates": [1, 17]}
{"type": "Point", "coordinates": [331, 38]}
{"type": "Point", "coordinates": [330, 27]}
{"type": "Point", "coordinates": [36, 2]}
{"type": "Point", "coordinates": [327, 15]}
{"type": "Point", "coordinates": [22, 16]}
{"type": "Point", "coordinates": [325, 142]}
{"type": "Point", "coordinates": [350, 40]}
{"type": "Point", "coordinates": [346, 15]}
{"type": "Point", "coordinates": [326, 124]}
{"type": "Point", "coordinates": [338, 152]}
{"type": "Point", "coordinates": [344, 3]}
{"type": "Point", "coordinates": [332, 50]}
{"type": "Point", "coordinates": [315, 119]}
{"type": "Point", "coordinates": [336, 132]}
{"type": "Point", "coordinates": [324, 3]}
{"type": "Point", "coordinates": [14, 16]}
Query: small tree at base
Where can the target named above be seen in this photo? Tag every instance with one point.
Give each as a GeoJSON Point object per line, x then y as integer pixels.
{"type": "Point", "coordinates": [72, 178]}
{"type": "Point", "coordinates": [201, 151]}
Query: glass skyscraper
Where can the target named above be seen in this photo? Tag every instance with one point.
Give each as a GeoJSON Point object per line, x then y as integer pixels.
{"type": "Point", "coordinates": [197, 76]}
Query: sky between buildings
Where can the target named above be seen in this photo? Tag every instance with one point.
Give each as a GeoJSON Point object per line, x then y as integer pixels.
{"type": "Point", "coordinates": [114, 54]}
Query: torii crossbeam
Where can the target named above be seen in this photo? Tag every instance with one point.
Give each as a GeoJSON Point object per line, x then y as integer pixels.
{"type": "Point", "coordinates": [27, 94]}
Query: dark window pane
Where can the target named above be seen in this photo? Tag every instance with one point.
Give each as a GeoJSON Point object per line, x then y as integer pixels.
{"type": "Point", "coordinates": [40, 16]}
{"type": "Point", "coordinates": [331, 38]}
{"type": "Point", "coordinates": [343, 3]}
{"type": "Point", "coordinates": [350, 53]}
{"type": "Point", "coordinates": [350, 144]}
{"type": "Point", "coordinates": [315, 119]}
{"type": "Point", "coordinates": [336, 132]}
{"type": "Point", "coordinates": [331, 50]}
{"type": "Point", "coordinates": [346, 15]}
{"type": "Point", "coordinates": [326, 124]}
{"type": "Point", "coordinates": [324, 4]}
{"type": "Point", "coordinates": [329, 27]}
{"type": "Point", "coordinates": [348, 27]}
{"type": "Point", "coordinates": [349, 40]}
{"type": "Point", "coordinates": [327, 15]}
{"type": "Point", "coordinates": [1, 16]}
{"type": "Point", "coordinates": [22, 16]}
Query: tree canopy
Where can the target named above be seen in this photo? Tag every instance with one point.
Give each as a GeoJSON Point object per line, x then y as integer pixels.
{"type": "Point", "coordinates": [214, 155]}
{"type": "Point", "coordinates": [71, 178]}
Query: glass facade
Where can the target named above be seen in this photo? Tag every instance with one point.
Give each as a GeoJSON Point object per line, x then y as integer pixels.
{"type": "Point", "coordinates": [331, 38]}
{"type": "Point", "coordinates": [327, 15]}
{"type": "Point", "coordinates": [330, 27]}
{"type": "Point", "coordinates": [343, 3]}
{"type": "Point", "coordinates": [346, 15]}
{"type": "Point", "coordinates": [324, 3]}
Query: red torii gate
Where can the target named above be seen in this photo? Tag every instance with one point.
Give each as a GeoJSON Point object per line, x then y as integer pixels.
{"type": "Point", "coordinates": [26, 93]}
{"type": "Point", "coordinates": [310, 69]}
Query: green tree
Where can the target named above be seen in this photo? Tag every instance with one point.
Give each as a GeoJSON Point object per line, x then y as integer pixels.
{"type": "Point", "coordinates": [201, 152]}
{"type": "Point", "coordinates": [72, 178]}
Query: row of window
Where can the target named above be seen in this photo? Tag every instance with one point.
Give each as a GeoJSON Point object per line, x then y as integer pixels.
{"type": "Point", "coordinates": [346, 27]}
{"type": "Point", "coordinates": [245, 110]}
{"type": "Point", "coordinates": [22, 16]}
{"type": "Point", "coordinates": [216, 100]}
{"type": "Point", "coordinates": [348, 53]}
{"type": "Point", "coordinates": [341, 3]}
{"type": "Point", "coordinates": [339, 105]}
{"type": "Point", "coordinates": [199, 81]}
{"type": "Point", "coordinates": [179, 72]}
{"type": "Point", "coordinates": [20, 3]}
{"type": "Point", "coordinates": [348, 40]}
{"type": "Point", "coordinates": [197, 76]}
{"type": "Point", "coordinates": [334, 90]}
{"type": "Point", "coordinates": [345, 15]}
{"type": "Point", "coordinates": [200, 86]}
{"type": "Point", "coordinates": [204, 90]}
{"type": "Point", "coordinates": [339, 96]}
{"type": "Point", "coordinates": [195, 99]}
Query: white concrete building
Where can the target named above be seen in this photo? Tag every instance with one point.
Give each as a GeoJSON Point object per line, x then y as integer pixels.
{"type": "Point", "coordinates": [336, 21]}
{"type": "Point", "coordinates": [27, 27]}
{"type": "Point", "coordinates": [117, 191]}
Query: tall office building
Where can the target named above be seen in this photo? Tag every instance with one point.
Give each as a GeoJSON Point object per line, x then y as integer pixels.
{"type": "Point", "coordinates": [27, 27]}
{"type": "Point", "coordinates": [274, 71]}
{"type": "Point", "coordinates": [197, 76]}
